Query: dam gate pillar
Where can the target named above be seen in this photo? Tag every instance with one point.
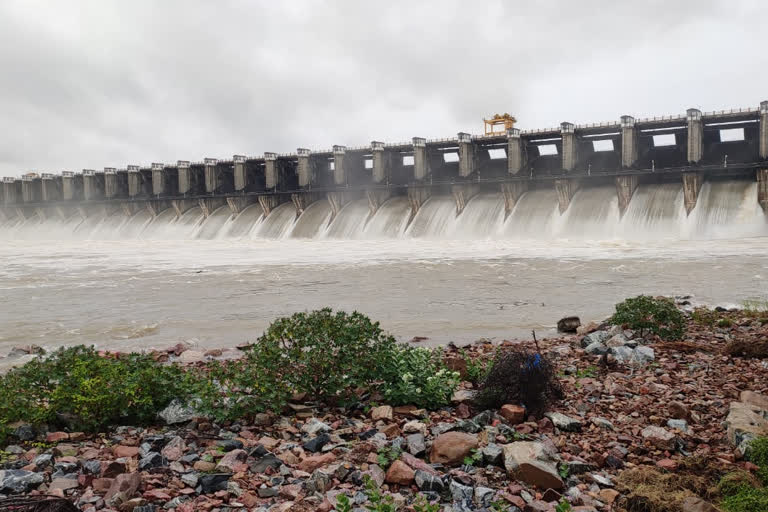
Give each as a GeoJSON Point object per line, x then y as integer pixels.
{"type": "Point", "coordinates": [462, 194]}
{"type": "Point", "coordinates": [269, 203]}
{"type": "Point", "coordinates": [417, 196]}
{"type": "Point", "coordinates": [695, 135]}
{"type": "Point", "coordinates": [134, 181]}
{"type": "Point", "coordinates": [764, 130]}
{"type": "Point", "coordinates": [467, 164]}
{"type": "Point", "coordinates": [376, 198]}
{"type": "Point", "coordinates": [762, 188]}
{"type": "Point", "coordinates": [512, 193]}
{"type": "Point", "coordinates": [304, 167]}
{"type": "Point", "coordinates": [565, 189]}
{"type": "Point", "coordinates": [240, 177]}
{"type": "Point", "coordinates": [515, 151]}
{"type": "Point", "coordinates": [270, 170]}
{"type": "Point", "coordinates": [211, 175]}
{"type": "Point", "coordinates": [339, 172]}
{"type": "Point", "coordinates": [568, 133]}
{"type": "Point", "coordinates": [382, 162]}
{"type": "Point", "coordinates": [420, 161]}
{"type": "Point", "coordinates": [110, 183]}
{"type": "Point", "coordinates": [93, 185]}
{"type": "Point", "coordinates": [301, 201]}
{"type": "Point", "coordinates": [51, 187]}
{"type": "Point", "coordinates": [625, 188]}
{"type": "Point", "coordinates": [628, 142]}
{"type": "Point", "coordinates": [691, 185]}
{"type": "Point", "coordinates": [184, 181]}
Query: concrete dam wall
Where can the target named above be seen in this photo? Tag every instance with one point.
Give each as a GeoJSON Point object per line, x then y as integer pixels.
{"type": "Point", "coordinates": [725, 209]}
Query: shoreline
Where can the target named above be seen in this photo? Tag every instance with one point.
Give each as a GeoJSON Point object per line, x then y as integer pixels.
{"type": "Point", "coordinates": [614, 419]}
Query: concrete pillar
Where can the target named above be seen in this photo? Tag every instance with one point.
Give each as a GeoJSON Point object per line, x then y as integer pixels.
{"type": "Point", "coordinates": [512, 193]}
{"type": "Point", "coordinates": [31, 189]}
{"type": "Point", "coordinates": [762, 188]}
{"type": "Point", "coordinates": [304, 167]}
{"type": "Point", "coordinates": [211, 176]}
{"type": "Point", "coordinates": [270, 169]}
{"type": "Point", "coordinates": [764, 130]}
{"type": "Point", "coordinates": [515, 151]}
{"type": "Point", "coordinates": [691, 185]}
{"type": "Point", "coordinates": [568, 134]}
{"type": "Point", "coordinates": [184, 181]}
{"type": "Point", "coordinates": [420, 161]}
{"type": "Point", "coordinates": [382, 162]}
{"type": "Point", "coordinates": [91, 187]}
{"type": "Point", "coordinates": [462, 194]}
{"type": "Point", "coordinates": [628, 142]}
{"type": "Point", "coordinates": [695, 135]}
{"type": "Point", "coordinates": [68, 185]}
{"type": "Point", "coordinates": [51, 187]}
{"type": "Point", "coordinates": [158, 179]}
{"type": "Point", "coordinates": [110, 182]}
{"type": "Point", "coordinates": [241, 179]}
{"type": "Point", "coordinates": [466, 155]}
{"type": "Point", "coordinates": [339, 173]}
{"type": "Point", "coordinates": [625, 188]}
{"type": "Point", "coordinates": [10, 195]}
{"type": "Point", "coordinates": [565, 189]}
{"type": "Point", "coordinates": [134, 180]}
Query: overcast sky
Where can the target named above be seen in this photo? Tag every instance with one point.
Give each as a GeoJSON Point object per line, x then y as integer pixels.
{"type": "Point", "coordinates": [89, 84]}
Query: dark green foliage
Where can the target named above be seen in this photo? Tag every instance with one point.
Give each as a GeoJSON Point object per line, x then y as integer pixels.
{"type": "Point", "coordinates": [78, 388]}
{"type": "Point", "coordinates": [740, 493]}
{"type": "Point", "coordinates": [758, 455]}
{"type": "Point", "coordinates": [747, 499]}
{"type": "Point", "coordinates": [520, 376]}
{"type": "Point", "coordinates": [647, 314]}
{"type": "Point", "coordinates": [416, 376]}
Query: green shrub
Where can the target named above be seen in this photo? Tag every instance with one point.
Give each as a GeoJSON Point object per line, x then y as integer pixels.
{"type": "Point", "coordinates": [78, 388]}
{"type": "Point", "coordinates": [704, 316]}
{"type": "Point", "coordinates": [647, 314]}
{"type": "Point", "coordinates": [746, 499]}
{"type": "Point", "coordinates": [417, 376]}
{"type": "Point", "coordinates": [477, 368]}
{"type": "Point", "coordinates": [758, 455]}
{"type": "Point", "coordinates": [725, 322]}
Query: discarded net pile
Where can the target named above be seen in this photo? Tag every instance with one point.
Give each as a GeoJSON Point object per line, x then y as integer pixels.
{"type": "Point", "coordinates": [36, 504]}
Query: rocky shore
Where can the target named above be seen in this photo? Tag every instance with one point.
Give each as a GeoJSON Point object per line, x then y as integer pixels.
{"type": "Point", "coordinates": [630, 403]}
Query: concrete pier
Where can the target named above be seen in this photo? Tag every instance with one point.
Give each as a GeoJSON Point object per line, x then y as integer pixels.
{"type": "Point", "coordinates": [134, 181]}
{"type": "Point", "coordinates": [110, 182]}
{"type": "Point", "coordinates": [691, 186]}
{"type": "Point", "coordinates": [515, 151]}
{"type": "Point", "coordinates": [695, 135]}
{"type": "Point", "coordinates": [625, 188]}
{"type": "Point", "coordinates": [68, 186]}
{"type": "Point", "coordinates": [567, 132]}
{"type": "Point", "coordinates": [762, 188]}
{"type": "Point", "coordinates": [512, 193]}
{"type": "Point", "coordinates": [240, 176]}
{"type": "Point", "coordinates": [421, 167]}
{"type": "Point", "coordinates": [417, 196]}
{"type": "Point", "coordinates": [162, 180]}
{"type": "Point", "coordinates": [565, 189]}
{"type": "Point", "coordinates": [304, 167]}
{"type": "Point", "coordinates": [51, 187]}
{"type": "Point", "coordinates": [466, 155]}
{"type": "Point", "coordinates": [375, 199]}
{"type": "Point", "coordinates": [339, 172]}
{"type": "Point", "coordinates": [182, 167]}
{"type": "Point", "coordinates": [382, 162]}
{"type": "Point", "coordinates": [270, 171]}
{"type": "Point", "coordinates": [629, 142]}
{"type": "Point", "coordinates": [763, 134]}
{"type": "Point", "coordinates": [337, 200]}
{"type": "Point", "coordinates": [212, 178]}
{"type": "Point", "coordinates": [31, 189]}
{"type": "Point", "coordinates": [93, 185]}
{"type": "Point", "coordinates": [11, 191]}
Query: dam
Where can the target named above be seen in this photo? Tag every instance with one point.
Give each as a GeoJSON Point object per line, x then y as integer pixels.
{"type": "Point", "coordinates": [453, 239]}
{"type": "Point", "coordinates": [624, 174]}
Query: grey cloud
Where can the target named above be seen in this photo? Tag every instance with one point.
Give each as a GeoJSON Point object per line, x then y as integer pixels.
{"type": "Point", "coordinates": [94, 84]}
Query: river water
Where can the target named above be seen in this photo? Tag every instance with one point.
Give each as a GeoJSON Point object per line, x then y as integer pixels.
{"type": "Point", "coordinates": [139, 282]}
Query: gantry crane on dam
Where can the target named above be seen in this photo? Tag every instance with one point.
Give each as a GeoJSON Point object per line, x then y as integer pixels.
{"type": "Point", "coordinates": [688, 148]}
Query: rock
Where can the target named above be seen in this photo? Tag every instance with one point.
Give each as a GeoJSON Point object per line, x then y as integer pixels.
{"type": "Point", "coordinates": [227, 445]}
{"type": "Point", "coordinates": [678, 410]}
{"type": "Point", "coordinates": [680, 425]}
{"type": "Point", "coordinates": [310, 464]}
{"type": "Point", "coordinates": [63, 484]}
{"type": "Point", "coordinates": [745, 422]}
{"type": "Point", "coordinates": [313, 426]}
{"type": "Point", "coordinates": [191, 356]}
{"type": "Point", "coordinates": [602, 423]}
{"type": "Point", "coordinates": [608, 496]}
{"type": "Point", "coordinates": [568, 324]}
{"type": "Point", "coordinates": [190, 479]}
{"type": "Point", "coordinates": [451, 448]}
{"type": "Point", "coordinates": [531, 462]}
{"type": "Point", "coordinates": [56, 437]}
{"type": "Point", "coordinates": [415, 427]}
{"type": "Point", "coordinates": [383, 412]}
{"type": "Point", "coordinates": [24, 432]}
{"type": "Point", "coordinates": [667, 464]}
{"type": "Point", "coordinates": [316, 444]}
{"type": "Point", "coordinates": [320, 481]}
{"type": "Point", "coordinates": [231, 460]}
{"type": "Point", "coordinates": [204, 466]}
{"type": "Point", "coordinates": [43, 461]}
{"type": "Point", "coordinates": [597, 336]}
{"type": "Point", "coordinates": [493, 455]}
{"type": "Point", "coordinates": [267, 461]}
{"type": "Point", "coordinates": [428, 482]}
{"type": "Point", "coordinates": [125, 483]}
{"type": "Point", "coordinates": [754, 400]}
{"type": "Point", "coordinates": [659, 437]}
{"type": "Point", "coordinates": [214, 482]}
{"type": "Point", "coordinates": [514, 414]}
{"type": "Point", "coordinates": [696, 504]}
{"type": "Point", "coordinates": [460, 492]}
{"type": "Point", "coordinates": [269, 492]}
{"type": "Point", "coordinates": [596, 349]}
{"type": "Point", "coordinates": [626, 355]}
{"type": "Point", "coordinates": [18, 481]}
{"type": "Point", "coordinates": [127, 452]}
{"type": "Point", "coordinates": [152, 460]}
{"type": "Point", "coordinates": [176, 412]}
{"type": "Point", "coordinates": [484, 496]}
{"type": "Point", "coordinates": [175, 448]}
{"type": "Point", "coordinates": [399, 473]}
{"type": "Point", "coordinates": [416, 444]}
{"type": "Point", "coordinates": [563, 422]}
{"type": "Point", "coordinates": [463, 395]}
{"type": "Point", "coordinates": [417, 464]}
{"type": "Point", "coordinates": [617, 340]}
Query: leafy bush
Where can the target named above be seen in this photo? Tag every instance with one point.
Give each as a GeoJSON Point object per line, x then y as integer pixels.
{"type": "Point", "coordinates": [77, 387]}
{"type": "Point", "coordinates": [746, 499]}
{"type": "Point", "coordinates": [758, 455]}
{"type": "Point", "coordinates": [520, 376]}
{"type": "Point", "coordinates": [646, 314]}
{"type": "Point", "coordinates": [417, 376]}
{"type": "Point", "coordinates": [477, 368]}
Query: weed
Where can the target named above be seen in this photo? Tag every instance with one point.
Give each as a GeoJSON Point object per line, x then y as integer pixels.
{"type": "Point", "coordinates": [647, 314]}
{"type": "Point", "coordinates": [725, 322]}
{"type": "Point", "coordinates": [422, 505]}
{"type": "Point", "coordinates": [563, 470]}
{"type": "Point", "coordinates": [343, 504]}
{"type": "Point", "coordinates": [563, 506]}
{"type": "Point", "coordinates": [474, 458]}
{"type": "Point", "coordinates": [379, 502]}
{"type": "Point", "coordinates": [386, 456]}
{"type": "Point", "coordinates": [477, 368]}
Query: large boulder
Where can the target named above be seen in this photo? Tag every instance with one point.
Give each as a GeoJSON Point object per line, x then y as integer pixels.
{"type": "Point", "coordinates": [659, 437]}
{"type": "Point", "coordinates": [17, 481]}
{"type": "Point", "coordinates": [745, 421]}
{"type": "Point", "coordinates": [451, 448]}
{"type": "Point", "coordinates": [400, 473]}
{"type": "Point", "coordinates": [533, 463]}
{"type": "Point", "coordinates": [595, 337]}
{"type": "Point", "coordinates": [568, 324]}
